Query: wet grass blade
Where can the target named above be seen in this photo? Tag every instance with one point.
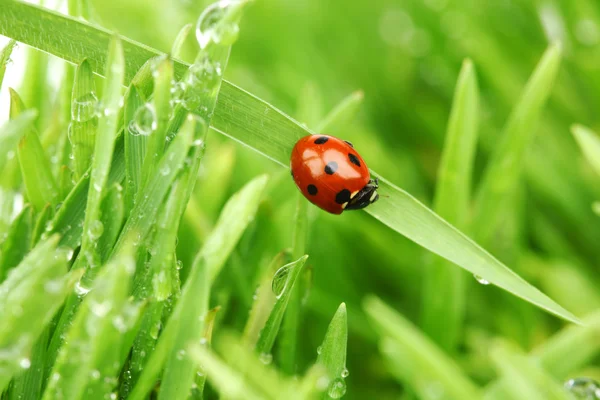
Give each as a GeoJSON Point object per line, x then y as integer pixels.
{"type": "Point", "coordinates": [589, 142]}
{"type": "Point", "coordinates": [271, 328]}
{"type": "Point", "coordinates": [444, 287]}
{"type": "Point", "coordinates": [175, 338]}
{"type": "Point", "coordinates": [503, 173]}
{"type": "Point", "coordinates": [35, 167]}
{"type": "Point", "coordinates": [88, 361]}
{"type": "Point", "coordinates": [84, 119]}
{"type": "Point", "coordinates": [17, 242]}
{"type": "Point", "coordinates": [417, 360]}
{"type": "Point", "coordinates": [258, 125]}
{"type": "Point", "coordinates": [135, 147]}
{"type": "Point", "coordinates": [12, 131]}
{"type": "Point", "coordinates": [29, 298]}
{"type": "Point", "coordinates": [332, 353]}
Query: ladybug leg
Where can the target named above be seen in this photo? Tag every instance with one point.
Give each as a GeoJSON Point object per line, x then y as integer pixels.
{"type": "Point", "coordinates": [367, 195]}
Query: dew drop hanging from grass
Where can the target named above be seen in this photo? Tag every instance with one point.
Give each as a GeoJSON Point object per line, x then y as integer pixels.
{"type": "Point", "coordinates": [144, 121]}
{"type": "Point", "coordinates": [481, 280]}
{"type": "Point", "coordinates": [583, 388]}
{"type": "Point", "coordinates": [211, 26]}
{"type": "Point", "coordinates": [85, 107]}
{"type": "Point", "coordinates": [337, 388]}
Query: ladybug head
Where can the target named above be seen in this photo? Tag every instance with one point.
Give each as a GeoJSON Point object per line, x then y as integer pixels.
{"type": "Point", "coordinates": [367, 195]}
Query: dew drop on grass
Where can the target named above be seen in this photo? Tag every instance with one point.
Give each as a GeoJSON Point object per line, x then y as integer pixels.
{"type": "Point", "coordinates": [54, 286]}
{"type": "Point", "coordinates": [319, 349]}
{"type": "Point", "coordinates": [180, 354]}
{"type": "Point", "coordinates": [279, 282]}
{"type": "Point", "coordinates": [337, 388]}
{"type": "Point", "coordinates": [25, 363]}
{"type": "Point", "coordinates": [95, 374]}
{"type": "Point", "coordinates": [211, 28]}
{"type": "Point", "coordinates": [64, 253]}
{"type": "Point", "coordinates": [81, 290]}
{"type": "Point", "coordinates": [96, 230]}
{"type": "Point", "coordinates": [266, 358]}
{"type": "Point", "coordinates": [583, 388]}
{"type": "Point", "coordinates": [165, 169]}
{"type": "Point", "coordinates": [481, 280]}
{"type": "Point", "coordinates": [202, 81]}
{"type": "Point", "coordinates": [345, 373]}
{"type": "Point", "coordinates": [144, 121]}
{"type": "Point", "coordinates": [85, 107]}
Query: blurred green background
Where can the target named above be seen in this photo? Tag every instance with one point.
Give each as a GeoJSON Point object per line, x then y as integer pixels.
{"type": "Point", "coordinates": [304, 56]}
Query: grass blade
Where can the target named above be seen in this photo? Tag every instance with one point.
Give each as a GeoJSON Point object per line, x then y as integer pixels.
{"type": "Point", "coordinates": [135, 146]}
{"type": "Point", "coordinates": [342, 113]}
{"type": "Point", "coordinates": [256, 124]}
{"type": "Point", "coordinates": [332, 354]}
{"type": "Point", "coordinates": [589, 143]}
{"type": "Point", "coordinates": [12, 131]}
{"type": "Point", "coordinates": [444, 287]}
{"type": "Point", "coordinates": [5, 57]}
{"type": "Point", "coordinates": [35, 166]}
{"type": "Point", "coordinates": [16, 244]}
{"type": "Point", "coordinates": [419, 361]}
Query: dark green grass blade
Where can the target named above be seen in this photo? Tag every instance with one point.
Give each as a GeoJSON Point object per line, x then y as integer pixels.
{"type": "Point", "coordinates": [258, 125]}
{"type": "Point", "coordinates": [444, 287]}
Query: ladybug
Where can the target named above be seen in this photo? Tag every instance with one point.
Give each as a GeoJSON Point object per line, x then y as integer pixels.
{"type": "Point", "coordinates": [331, 174]}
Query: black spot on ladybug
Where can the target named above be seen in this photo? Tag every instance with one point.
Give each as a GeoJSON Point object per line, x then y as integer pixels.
{"type": "Point", "coordinates": [312, 190]}
{"type": "Point", "coordinates": [331, 167]}
{"type": "Point", "coordinates": [354, 160]}
{"type": "Point", "coordinates": [321, 140]}
{"type": "Point", "coordinates": [349, 144]}
{"type": "Point", "coordinates": [343, 196]}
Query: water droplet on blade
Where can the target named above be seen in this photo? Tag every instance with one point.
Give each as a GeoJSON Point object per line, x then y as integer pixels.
{"type": "Point", "coordinates": [96, 230]}
{"type": "Point", "coordinates": [213, 28]}
{"type": "Point", "coordinates": [481, 280]}
{"type": "Point", "coordinates": [85, 107]}
{"type": "Point", "coordinates": [266, 358]}
{"type": "Point", "coordinates": [280, 279]}
{"type": "Point", "coordinates": [144, 121]}
{"type": "Point", "coordinates": [583, 388]}
{"type": "Point", "coordinates": [337, 388]}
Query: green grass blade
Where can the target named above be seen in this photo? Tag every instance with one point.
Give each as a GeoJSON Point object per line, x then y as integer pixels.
{"type": "Point", "coordinates": [103, 151]}
{"type": "Point", "coordinates": [503, 172]}
{"type": "Point", "coordinates": [258, 125]}
{"type": "Point", "coordinates": [528, 381]}
{"type": "Point", "coordinates": [589, 143]}
{"type": "Point", "coordinates": [444, 287]}
{"type": "Point", "coordinates": [84, 119]}
{"type": "Point", "coordinates": [271, 328]}
{"type": "Point", "coordinates": [29, 298]}
{"type": "Point", "coordinates": [16, 244]}
{"type": "Point", "coordinates": [179, 42]}
{"type": "Point", "coordinates": [112, 211]}
{"type": "Point", "coordinates": [332, 353]}
{"type": "Point", "coordinates": [41, 224]}
{"type": "Point", "coordinates": [421, 362]}
{"type": "Point", "coordinates": [135, 147]}
{"type": "Point", "coordinates": [5, 57]}
{"type": "Point", "coordinates": [35, 166]}
{"type": "Point", "coordinates": [235, 217]}
{"type": "Point", "coordinates": [88, 362]}
{"type": "Point", "coordinates": [341, 115]}
{"type": "Point", "coordinates": [12, 131]}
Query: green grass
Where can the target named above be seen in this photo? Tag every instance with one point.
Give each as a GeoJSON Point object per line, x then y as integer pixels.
{"type": "Point", "coordinates": [152, 245]}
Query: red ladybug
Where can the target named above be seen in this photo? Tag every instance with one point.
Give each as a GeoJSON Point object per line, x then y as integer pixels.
{"type": "Point", "coordinates": [331, 174]}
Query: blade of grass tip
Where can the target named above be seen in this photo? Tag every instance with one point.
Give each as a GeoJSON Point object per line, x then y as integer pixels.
{"type": "Point", "coordinates": [269, 332]}
{"type": "Point", "coordinates": [444, 286]}
{"type": "Point", "coordinates": [182, 36]}
{"type": "Point", "coordinates": [342, 114]}
{"type": "Point", "coordinates": [163, 75]}
{"type": "Point", "coordinates": [589, 143]}
{"type": "Point", "coordinates": [84, 118]}
{"type": "Point", "coordinates": [5, 58]}
{"type": "Point", "coordinates": [29, 298]}
{"type": "Point", "coordinates": [227, 382]}
{"type": "Point", "coordinates": [332, 353]}
{"type": "Point", "coordinates": [103, 152]}
{"type": "Point", "coordinates": [16, 244]}
{"type": "Point", "coordinates": [173, 342]}
{"type": "Point", "coordinates": [12, 131]}
{"type": "Point", "coordinates": [35, 167]}
{"type": "Point", "coordinates": [421, 361]}
{"type": "Point", "coordinates": [256, 124]}
{"type": "Point", "coordinates": [200, 378]}
{"type": "Point", "coordinates": [88, 361]}
{"type": "Point", "coordinates": [135, 146]}
{"type": "Point", "coordinates": [569, 350]}
{"type": "Point", "coordinates": [528, 381]}
{"type": "Point", "coordinates": [503, 172]}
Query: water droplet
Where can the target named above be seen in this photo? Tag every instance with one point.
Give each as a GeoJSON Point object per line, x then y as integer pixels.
{"type": "Point", "coordinates": [180, 354]}
{"type": "Point", "coordinates": [144, 121]}
{"type": "Point", "coordinates": [85, 107]}
{"type": "Point", "coordinates": [25, 363]}
{"type": "Point", "coordinates": [179, 264]}
{"type": "Point", "coordinates": [64, 253]}
{"type": "Point", "coordinates": [319, 349]}
{"type": "Point", "coordinates": [165, 169]}
{"type": "Point", "coordinates": [481, 280]}
{"type": "Point", "coordinates": [119, 323]}
{"type": "Point", "coordinates": [211, 28]}
{"type": "Point", "coordinates": [337, 388]}
{"type": "Point", "coordinates": [202, 82]}
{"type": "Point", "coordinates": [100, 309]}
{"type": "Point", "coordinates": [80, 289]}
{"type": "Point", "coordinates": [95, 374]}
{"type": "Point", "coordinates": [96, 230]}
{"type": "Point", "coordinates": [583, 388]}
{"type": "Point", "coordinates": [113, 396]}
{"type": "Point", "coordinates": [54, 286]}
{"type": "Point", "coordinates": [266, 358]}
{"type": "Point", "coordinates": [345, 373]}
{"type": "Point", "coordinates": [177, 91]}
{"type": "Point", "coordinates": [279, 282]}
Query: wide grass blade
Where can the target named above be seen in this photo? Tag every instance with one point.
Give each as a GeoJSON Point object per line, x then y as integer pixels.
{"type": "Point", "coordinates": [29, 298]}
{"type": "Point", "coordinates": [12, 131]}
{"type": "Point", "coordinates": [332, 353]}
{"type": "Point", "coordinates": [444, 287]}
{"type": "Point", "coordinates": [589, 142]}
{"type": "Point", "coordinates": [258, 125]}
{"type": "Point", "coordinates": [176, 336]}
{"type": "Point", "coordinates": [503, 173]}
{"type": "Point", "coordinates": [417, 360]}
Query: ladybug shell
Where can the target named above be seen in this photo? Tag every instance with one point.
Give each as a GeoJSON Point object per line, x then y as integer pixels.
{"type": "Point", "coordinates": [328, 171]}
